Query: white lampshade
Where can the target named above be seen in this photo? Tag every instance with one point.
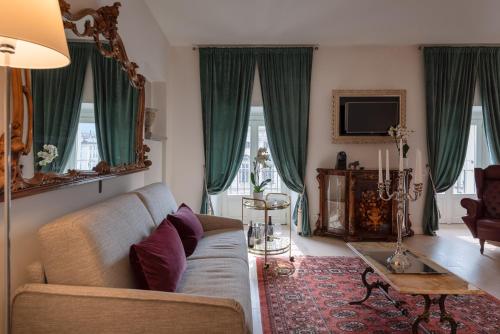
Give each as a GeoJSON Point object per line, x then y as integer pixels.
{"type": "Point", "coordinates": [34, 29]}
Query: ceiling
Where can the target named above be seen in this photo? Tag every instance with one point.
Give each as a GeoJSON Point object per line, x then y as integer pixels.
{"type": "Point", "coordinates": [328, 22]}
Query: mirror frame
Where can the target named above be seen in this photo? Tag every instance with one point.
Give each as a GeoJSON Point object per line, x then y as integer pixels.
{"type": "Point", "coordinates": [103, 25]}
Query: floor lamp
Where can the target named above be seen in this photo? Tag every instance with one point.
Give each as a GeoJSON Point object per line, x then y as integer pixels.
{"type": "Point", "coordinates": [31, 36]}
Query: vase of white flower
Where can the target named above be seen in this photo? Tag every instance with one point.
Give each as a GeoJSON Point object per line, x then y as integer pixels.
{"type": "Point", "coordinates": [259, 163]}
{"type": "Point", "coordinates": [48, 154]}
{"type": "Point", "coordinates": [401, 133]}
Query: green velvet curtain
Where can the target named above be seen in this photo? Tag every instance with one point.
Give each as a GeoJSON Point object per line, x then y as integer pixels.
{"type": "Point", "coordinates": [57, 99]}
{"type": "Point", "coordinates": [285, 76]}
{"type": "Point", "coordinates": [489, 82]}
{"type": "Point", "coordinates": [116, 104]}
{"type": "Point", "coordinates": [226, 76]}
{"type": "Point", "coordinates": [450, 77]}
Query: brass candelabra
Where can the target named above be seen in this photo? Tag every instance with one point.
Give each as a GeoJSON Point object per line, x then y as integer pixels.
{"type": "Point", "coordinates": [399, 260]}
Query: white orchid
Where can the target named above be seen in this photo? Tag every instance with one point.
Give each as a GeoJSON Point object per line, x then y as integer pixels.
{"type": "Point", "coordinates": [260, 162]}
{"type": "Point", "coordinates": [262, 157]}
{"type": "Point", "coordinates": [48, 154]}
{"type": "Point", "coordinates": [401, 133]}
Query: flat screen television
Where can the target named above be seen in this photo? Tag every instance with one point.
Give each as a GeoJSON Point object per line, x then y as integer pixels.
{"type": "Point", "coordinates": [365, 116]}
{"type": "Point", "coordinates": [370, 117]}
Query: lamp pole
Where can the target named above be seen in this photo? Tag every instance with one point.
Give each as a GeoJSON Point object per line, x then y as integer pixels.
{"type": "Point", "coordinates": [7, 163]}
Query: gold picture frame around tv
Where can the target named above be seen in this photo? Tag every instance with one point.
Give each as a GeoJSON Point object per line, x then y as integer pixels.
{"type": "Point", "coordinates": [362, 116]}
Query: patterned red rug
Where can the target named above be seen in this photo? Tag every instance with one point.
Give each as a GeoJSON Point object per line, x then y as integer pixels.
{"type": "Point", "coordinates": [315, 299]}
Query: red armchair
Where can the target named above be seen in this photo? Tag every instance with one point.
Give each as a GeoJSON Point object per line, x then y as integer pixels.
{"type": "Point", "coordinates": [483, 214]}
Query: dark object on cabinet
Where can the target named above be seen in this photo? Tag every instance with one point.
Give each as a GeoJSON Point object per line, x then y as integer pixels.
{"type": "Point", "coordinates": [483, 214]}
{"type": "Point", "coordinates": [341, 160]}
{"type": "Point", "coordinates": [351, 208]}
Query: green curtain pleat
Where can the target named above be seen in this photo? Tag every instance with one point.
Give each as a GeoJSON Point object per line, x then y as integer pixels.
{"type": "Point", "coordinates": [450, 78]}
{"type": "Point", "coordinates": [489, 82]}
{"type": "Point", "coordinates": [285, 77]}
{"type": "Point", "coordinates": [116, 104]}
{"type": "Point", "coordinates": [57, 99]}
{"type": "Point", "coordinates": [226, 77]}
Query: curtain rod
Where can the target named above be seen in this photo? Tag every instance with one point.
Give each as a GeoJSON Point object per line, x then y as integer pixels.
{"type": "Point", "coordinates": [314, 46]}
{"type": "Point", "coordinates": [422, 46]}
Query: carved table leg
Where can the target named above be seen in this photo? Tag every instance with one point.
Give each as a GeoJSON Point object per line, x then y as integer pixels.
{"type": "Point", "coordinates": [369, 287]}
{"type": "Point", "coordinates": [424, 316]}
{"type": "Point", "coordinates": [444, 316]}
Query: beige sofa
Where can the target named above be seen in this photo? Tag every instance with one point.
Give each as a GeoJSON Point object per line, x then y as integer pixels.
{"type": "Point", "coordinates": [86, 284]}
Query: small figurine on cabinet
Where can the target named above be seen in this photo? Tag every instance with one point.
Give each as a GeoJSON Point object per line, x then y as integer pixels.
{"type": "Point", "coordinates": [354, 165]}
{"type": "Point", "coordinates": [341, 161]}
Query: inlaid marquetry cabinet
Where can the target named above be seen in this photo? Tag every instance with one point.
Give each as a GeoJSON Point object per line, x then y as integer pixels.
{"type": "Point", "coordinates": [350, 207]}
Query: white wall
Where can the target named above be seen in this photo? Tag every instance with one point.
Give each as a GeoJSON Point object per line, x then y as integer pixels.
{"type": "Point", "coordinates": [333, 68]}
{"type": "Point", "coordinates": [146, 45]}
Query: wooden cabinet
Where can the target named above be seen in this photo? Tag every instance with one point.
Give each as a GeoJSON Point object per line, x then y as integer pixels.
{"type": "Point", "coordinates": [351, 208]}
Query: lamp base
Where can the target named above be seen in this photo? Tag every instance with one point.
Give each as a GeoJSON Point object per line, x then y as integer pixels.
{"type": "Point", "coordinates": [399, 262]}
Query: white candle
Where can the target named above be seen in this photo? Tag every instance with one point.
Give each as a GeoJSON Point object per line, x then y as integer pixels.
{"type": "Point", "coordinates": [387, 173]}
{"type": "Point", "coordinates": [380, 178]}
{"type": "Point", "coordinates": [418, 167]}
{"type": "Point", "coordinates": [401, 155]}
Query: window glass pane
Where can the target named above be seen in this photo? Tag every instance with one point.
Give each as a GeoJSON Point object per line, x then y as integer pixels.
{"type": "Point", "coordinates": [465, 183]}
{"type": "Point", "coordinates": [241, 183]}
{"type": "Point", "coordinates": [271, 172]}
{"type": "Point", "coordinates": [85, 154]}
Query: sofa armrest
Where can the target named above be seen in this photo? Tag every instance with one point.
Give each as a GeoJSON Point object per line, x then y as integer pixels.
{"type": "Point", "coordinates": [474, 212]}
{"type": "Point", "coordinates": [474, 207]}
{"type": "Point", "coordinates": [216, 222]}
{"type": "Point", "coordinates": [48, 308]}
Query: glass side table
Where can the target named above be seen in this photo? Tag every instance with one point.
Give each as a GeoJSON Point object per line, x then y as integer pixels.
{"type": "Point", "coordinates": [277, 243]}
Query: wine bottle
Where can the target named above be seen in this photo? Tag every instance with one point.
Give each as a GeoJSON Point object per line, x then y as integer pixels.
{"type": "Point", "coordinates": [270, 228]}
{"type": "Point", "coordinates": [251, 236]}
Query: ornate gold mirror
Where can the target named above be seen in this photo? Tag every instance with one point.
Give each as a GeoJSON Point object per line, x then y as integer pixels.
{"type": "Point", "coordinates": [84, 122]}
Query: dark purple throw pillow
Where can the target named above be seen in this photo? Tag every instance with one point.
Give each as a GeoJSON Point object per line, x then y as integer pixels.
{"type": "Point", "coordinates": [188, 226]}
{"type": "Point", "coordinates": [159, 260]}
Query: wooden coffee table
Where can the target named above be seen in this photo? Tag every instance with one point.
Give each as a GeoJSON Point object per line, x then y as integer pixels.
{"type": "Point", "coordinates": [423, 284]}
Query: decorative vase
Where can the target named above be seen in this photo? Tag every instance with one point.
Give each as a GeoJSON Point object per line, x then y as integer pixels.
{"type": "Point", "coordinates": [406, 163]}
{"type": "Point", "coordinates": [259, 195]}
{"type": "Point", "coordinates": [148, 122]}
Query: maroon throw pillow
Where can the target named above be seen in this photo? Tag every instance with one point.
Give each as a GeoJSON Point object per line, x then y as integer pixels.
{"type": "Point", "coordinates": [188, 226]}
{"type": "Point", "coordinates": [159, 260]}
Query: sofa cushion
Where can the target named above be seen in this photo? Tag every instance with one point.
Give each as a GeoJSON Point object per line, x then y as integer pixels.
{"type": "Point", "coordinates": [91, 246]}
{"type": "Point", "coordinates": [220, 277]}
{"type": "Point", "coordinates": [188, 226]}
{"type": "Point", "coordinates": [488, 228]}
{"type": "Point", "coordinates": [159, 201]}
{"type": "Point", "coordinates": [159, 260]}
{"type": "Point", "coordinates": [226, 243]}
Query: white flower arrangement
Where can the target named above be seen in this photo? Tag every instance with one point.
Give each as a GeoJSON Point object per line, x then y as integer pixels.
{"type": "Point", "coordinates": [260, 162]}
{"type": "Point", "coordinates": [48, 154]}
{"type": "Point", "coordinates": [401, 133]}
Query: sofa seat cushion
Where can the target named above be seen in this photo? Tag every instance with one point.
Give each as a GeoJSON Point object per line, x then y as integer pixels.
{"type": "Point", "coordinates": [488, 229]}
{"type": "Point", "coordinates": [224, 243]}
{"type": "Point", "coordinates": [220, 277]}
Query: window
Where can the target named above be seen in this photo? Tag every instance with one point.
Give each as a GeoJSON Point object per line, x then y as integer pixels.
{"type": "Point", "coordinates": [256, 138]}
{"type": "Point", "coordinates": [476, 156]}
{"type": "Point", "coordinates": [85, 154]}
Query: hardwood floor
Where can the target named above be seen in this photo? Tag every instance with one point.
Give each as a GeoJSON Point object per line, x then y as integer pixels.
{"type": "Point", "coordinates": [453, 248]}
